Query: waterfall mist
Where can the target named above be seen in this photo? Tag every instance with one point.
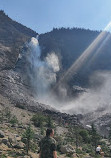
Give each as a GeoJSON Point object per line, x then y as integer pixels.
{"type": "Point", "coordinates": [95, 98]}
{"type": "Point", "coordinates": [43, 79]}
{"type": "Point", "coordinates": [42, 73]}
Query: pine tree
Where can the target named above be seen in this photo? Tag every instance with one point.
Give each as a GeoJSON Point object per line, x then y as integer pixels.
{"type": "Point", "coordinates": [110, 134]}
{"type": "Point", "coordinates": [95, 136]}
{"type": "Point", "coordinates": [49, 122]}
{"type": "Point", "coordinates": [28, 136]}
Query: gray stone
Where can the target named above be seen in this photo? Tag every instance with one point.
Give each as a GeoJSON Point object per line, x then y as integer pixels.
{"type": "Point", "coordinates": [26, 156]}
{"type": "Point", "coordinates": [38, 136]}
{"type": "Point", "coordinates": [20, 126]}
{"type": "Point", "coordinates": [19, 145]}
{"type": "Point", "coordinates": [2, 134]}
{"type": "Point", "coordinates": [67, 149]}
{"type": "Point", "coordinates": [0, 152]}
{"type": "Point", "coordinates": [5, 141]}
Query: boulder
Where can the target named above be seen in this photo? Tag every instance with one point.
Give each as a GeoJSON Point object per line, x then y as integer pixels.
{"type": "Point", "coordinates": [67, 149]}
{"type": "Point", "coordinates": [19, 145]}
{"type": "Point", "coordinates": [2, 134]}
{"type": "Point", "coordinates": [38, 136]}
{"type": "Point", "coordinates": [0, 152]}
{"type": "Point", "coordinates": [26, 156]}
{"type": "Point", "coordinates": [5, 141]}
{"type": "Point", "coordinates": [12, 139]}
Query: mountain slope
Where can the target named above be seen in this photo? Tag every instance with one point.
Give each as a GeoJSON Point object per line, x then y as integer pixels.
{"type": "Point", "coordinates": [69, 44]}
{"type": "Point", "coordinates": [12, 36]}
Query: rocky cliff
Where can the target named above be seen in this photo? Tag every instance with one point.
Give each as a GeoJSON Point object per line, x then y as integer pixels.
{"type": "Point", "coordinates": [12, 38]}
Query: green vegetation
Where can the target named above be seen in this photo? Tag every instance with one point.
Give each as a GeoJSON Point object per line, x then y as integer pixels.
{"type": "Point", "coordinates": [1, 117]}
{"type": "Point", "coordinates": [43, 122]}
{"type": "Point", "coordinates": [20, 106]}
{"type": "Point", "coordinates": [110, 134]}
{"type": "Point", "coordinates": [7, 113]}
{"type": "Point", "coordinates": [3, 156]}
{"type": "Point", "coordinates": [49, 122]}
{"type": "Point", "coordinates": [84, 141]}
{"type": "Point", "coordinates": [95, 137]}
{"type": "Point", "coordinates": [85, 136]}
{"type": "Point", "coordinates": [27, 137]}
{"type": "Point", "coordinates": [39, 120]}
{"type": "Point", "coordinates": [14, 120]}
{"type": "Point", "coordinates": [7, 116]}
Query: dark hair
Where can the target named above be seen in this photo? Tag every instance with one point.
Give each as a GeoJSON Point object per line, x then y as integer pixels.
{"type": "Point", "coordinates": [49, 131]}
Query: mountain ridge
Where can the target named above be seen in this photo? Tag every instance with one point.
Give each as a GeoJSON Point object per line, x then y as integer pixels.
{"type": "Point", "coordinates": [70, 44]}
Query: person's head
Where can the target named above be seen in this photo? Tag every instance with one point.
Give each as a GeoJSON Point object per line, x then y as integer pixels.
{"type": "Point", "coordinates": [49, 132]}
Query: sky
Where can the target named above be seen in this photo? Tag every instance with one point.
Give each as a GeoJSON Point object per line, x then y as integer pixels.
{"type": "Point", "coordinates": [44, 15]}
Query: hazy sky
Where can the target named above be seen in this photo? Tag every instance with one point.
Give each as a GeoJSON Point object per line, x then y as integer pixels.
{"type": "Point", "coordinates": [43, 15]}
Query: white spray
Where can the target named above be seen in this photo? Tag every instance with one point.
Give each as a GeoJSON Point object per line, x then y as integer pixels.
{"type": "Point", "coordinates": [94, 98]}
{"type": "Point", "coordinates": [43, 73]}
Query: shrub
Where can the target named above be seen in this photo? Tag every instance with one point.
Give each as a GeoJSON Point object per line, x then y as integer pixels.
{"type": "Point", "coordinates": [7, 113]}
{"type": "Point", "coordinates": [38, 120]}
{"type": "Point", "coordinates": [27, 137]}
{"type": "Point", "coordinates": [85, 136]}
{"type": "Point", "coordinates": [49, 122]}
{"type": "Point", "coordinates": [87, 148]}
{"type": "Point", "coordinates": [14, 120]}
{"type": "Point", "coordinates": [3, 156]}
{"type": "Point", "coordinates": [78, 151]}
{"type": "Point", "coordinates": [18, 105]}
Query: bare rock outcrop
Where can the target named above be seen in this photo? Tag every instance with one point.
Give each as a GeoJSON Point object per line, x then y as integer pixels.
{"type": "Point", "coordinates": [12, 38]}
